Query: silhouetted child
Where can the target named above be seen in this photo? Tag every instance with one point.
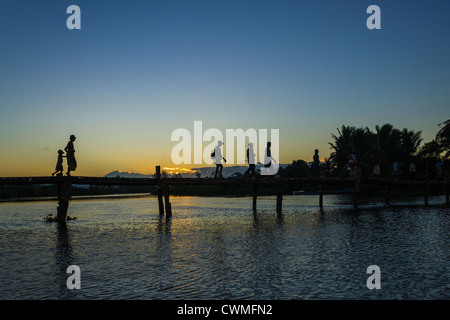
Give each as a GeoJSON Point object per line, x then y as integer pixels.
{"type": "Point", "coordinates": [59, 164]}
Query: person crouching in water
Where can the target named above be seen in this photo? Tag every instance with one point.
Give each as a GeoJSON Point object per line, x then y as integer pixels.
{"type": "Point", "coordinates": [59, 164]}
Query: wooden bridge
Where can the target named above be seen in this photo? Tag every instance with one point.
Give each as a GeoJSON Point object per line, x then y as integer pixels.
{"type": "Point", "coordinates": [162, 185]}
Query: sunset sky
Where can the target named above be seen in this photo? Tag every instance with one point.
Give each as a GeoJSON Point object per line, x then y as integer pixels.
{"type": "Point", "coordinates": [138, 70]}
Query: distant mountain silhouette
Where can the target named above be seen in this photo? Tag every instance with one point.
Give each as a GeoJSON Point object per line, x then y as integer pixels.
{"type": "Point", "coordinates": [204, 172]}
{"type": "Point", "coordinates": [115, 174]}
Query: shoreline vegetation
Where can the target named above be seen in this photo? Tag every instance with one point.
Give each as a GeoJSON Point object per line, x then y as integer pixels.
{"type": "Point", "coordinates": [386, 143]}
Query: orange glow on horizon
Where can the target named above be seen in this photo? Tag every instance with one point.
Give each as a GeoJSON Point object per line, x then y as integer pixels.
{"type": "Point", "coordinates": [178, 170]}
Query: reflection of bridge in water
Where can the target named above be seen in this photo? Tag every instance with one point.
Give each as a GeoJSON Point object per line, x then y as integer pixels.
{"type": "Point", "coordinates": [325, 186]}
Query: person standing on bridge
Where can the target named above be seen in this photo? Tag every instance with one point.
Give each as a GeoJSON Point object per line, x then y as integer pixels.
{"type": "Point", "coordinates": [412, 171]}
{"type": "Point", "coordinates": [268, 169]}
{"type": "Point", "coordinates": [376, 165]}
{"type": "Point", "coordinates": [70, 155]}
{"type": "Point", "coordinates": [217, 156]}
{"type": "Point", "coordinates": [59, 164]}
{"type": "Point", "coordinates": [352, 164]}
{"type": "Point", "coordinates": [251, 161]}
{"type": "Point", "coordinates": [268, 157]}
{"type": "Point", "coordinates": [440, 168]}
{"type": "Point", "coordinates": [316, 164]}
{"type": "Point", "coordinates": [396, 170]}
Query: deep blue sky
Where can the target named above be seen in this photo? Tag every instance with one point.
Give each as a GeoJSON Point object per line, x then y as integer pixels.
{"type": "Point", "coordinates": [137, 70]}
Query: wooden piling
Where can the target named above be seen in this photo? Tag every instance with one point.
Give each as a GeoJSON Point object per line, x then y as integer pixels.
{"type": "Point", "coordinates": [168, 206]}
{"type": "Point", "coordinates": [279, 202]}
{"type": "Point", "coordinates": [357, 187]}
{"type": "Point", "coordinates": [280, 198]}
{"type": "Point", "coordinates": [321, 196]}
{"type": "Point", "coordinates": [426, 194]}
{"type": "Point", "coordinates": [159, 189]}
{"type": "Point", "coordinates": [387, 194]}
{"type": "Point", "coordinates": [447, 199]}
{"type": "Point", "coordinates": [63, 189]}
{"type": "Point", "coordinates": [255, 194]}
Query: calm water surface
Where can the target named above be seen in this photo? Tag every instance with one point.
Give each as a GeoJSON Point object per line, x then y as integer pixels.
{"type": "Point", "coordinates": [217, 248]}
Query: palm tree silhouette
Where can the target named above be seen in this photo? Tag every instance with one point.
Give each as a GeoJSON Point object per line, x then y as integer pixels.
{"type": "Point", "coordinates": [440, 146]}
{"type": "Point", "coordinates": [389, 143]}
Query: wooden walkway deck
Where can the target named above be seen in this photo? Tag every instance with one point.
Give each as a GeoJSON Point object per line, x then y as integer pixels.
{"type": "Point", "coordinates": [79, 180]}
{"type": "Point", "coordinates": [325, 186]}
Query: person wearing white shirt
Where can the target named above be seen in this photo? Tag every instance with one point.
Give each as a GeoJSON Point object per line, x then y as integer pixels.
{"type": "Point", "coordinates": [218, 159]}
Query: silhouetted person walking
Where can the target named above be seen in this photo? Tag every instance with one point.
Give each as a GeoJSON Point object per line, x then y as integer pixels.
{"type": "Point", "coordinates": [412, 171]}
{"type": "Point", "coordinates": [268, 169]}
{"type": "Point", "coordinates": [251, 161]}
{"type": "Point", "coordinates": [376, 165]}
{"type": "Point", "coordinates": [70, 155]}
{"type": "Point", "coordinates": [352, 164]}
{"type": "Point", "coordinates": [396, 170]}
{"type": "Point", "coordinates": [440, 169]}
{"type": "Point", "coordinates": [316, 164]}
{"type": "Point", "coordinates": [218, 159]}
{"type": "Point", "coordinates": [268, 156]}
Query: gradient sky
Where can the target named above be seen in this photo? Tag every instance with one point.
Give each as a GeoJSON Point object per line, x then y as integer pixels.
{"type": "Point", "coordinates": [138, 70]}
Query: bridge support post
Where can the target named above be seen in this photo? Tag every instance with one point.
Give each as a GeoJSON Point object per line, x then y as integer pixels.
{"type": "Point", "coordinates": [255, 194]}
{"type": "Point", "coordinates": [159, 189]}
{"type": "Point", "coordinates": [387, 195]}
{"type": "Point", "coordinates": [63, 199]}
{"type": "Point", "coordinates": [357, 187]}
{"type": "Point", "coordinates": [279, 202]}
{"type": "Point", "coordinates": [447, 198]}
{"type": "Point", "coordinates": [280, 198]}
{"type": "Point", "coordinates": [167, 201]}
{"type": "Point", "coordinates": [321, 196]}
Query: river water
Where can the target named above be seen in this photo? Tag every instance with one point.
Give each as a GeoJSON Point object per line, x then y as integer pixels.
{"type": "Point", "coordinates": [217, 248]}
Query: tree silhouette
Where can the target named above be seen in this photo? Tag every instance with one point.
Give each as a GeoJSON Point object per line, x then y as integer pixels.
{"type": "Point", "coordinates": [359, 141]}
{"type": "Point", "coordinates": [440, 146]}
{"type": "Point", "coordinates": [389, 143]}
